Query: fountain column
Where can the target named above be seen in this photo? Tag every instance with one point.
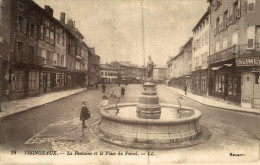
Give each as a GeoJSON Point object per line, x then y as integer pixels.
{"type": "Point", "coordinates": [148, 106]}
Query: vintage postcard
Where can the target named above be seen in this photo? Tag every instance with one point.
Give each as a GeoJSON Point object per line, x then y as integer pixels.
{"type": "Point", "coordinates": [129, 81]}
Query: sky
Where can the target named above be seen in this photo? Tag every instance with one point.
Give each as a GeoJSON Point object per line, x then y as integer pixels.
{"type": "Point", "coordinates": [114, 27]}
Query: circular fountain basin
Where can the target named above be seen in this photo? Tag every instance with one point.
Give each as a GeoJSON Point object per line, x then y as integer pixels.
{"type": "Point", "coordinates": [168, 127]}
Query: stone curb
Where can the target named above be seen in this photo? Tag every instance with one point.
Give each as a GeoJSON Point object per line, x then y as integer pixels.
{"type": "Point", "coordinates": [27, 109]}
{"type": "Point", "coordinates": [231, 109]}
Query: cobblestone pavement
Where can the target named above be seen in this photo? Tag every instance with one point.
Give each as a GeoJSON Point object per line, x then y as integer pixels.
{"type": "Point", "coordinates": [56, 127]}
{"type": "Point", "coordinates": [229, 136]}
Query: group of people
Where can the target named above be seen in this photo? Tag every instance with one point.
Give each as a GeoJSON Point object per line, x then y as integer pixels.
{"type": "Point", "coordinates": [113, 91]}
{"type": "Point", "coordinates": [85, 114]}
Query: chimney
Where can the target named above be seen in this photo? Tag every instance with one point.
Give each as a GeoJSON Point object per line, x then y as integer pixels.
{"type": "Point", "coordinates": [62, 17]}
{"type": "Point", "coordinates": [70, 23]}
{"type": "Point", "coordinates": [49, 10]}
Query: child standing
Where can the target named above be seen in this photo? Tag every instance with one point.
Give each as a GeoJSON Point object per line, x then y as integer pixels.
{"type": "Point", "coordinates": [122, 92]}
{"type": "Point", "coordinates": [84, 114]}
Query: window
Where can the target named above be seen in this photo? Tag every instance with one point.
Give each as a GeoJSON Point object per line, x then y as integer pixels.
{"type": "Point", "coordinates": [217, 46]}
{"type": "Point", "coordinates": [44, 33]}
{"type": "Point", "coordinates": [257, 78]}
{"type": "Point", "coordinates": [47, 35]}
{"type": "Point", "coordinates": [250, 37]}
{"type": "Point", "coordinates": [31, 30]}
{"type": "Point", "coordinates": [32, 80]}
{"type": "Point", "coordinates": [250, 6]}
{"type": "Point", "coordinates": [20, 6]}
{"type": "Point", "coordinates": [219, 2]}
{"type": "Point", "coordinates": [31, 50]}
{"type": "Point", "coordinates": [235, 11]}
{"type": "Point", "coordinates": [225, 41]}
{"type": "Point", "coordinates": [258, 37]}
{"type": "Point", "coordinates": [19, 46]}
{"type": "Point", "coordinates": [51, 37]}
{"type": "Point", "coordinates": [63, 40]}
{"type": "Point", "coordinates": [225, 19]}
{"type": "Point", "coordinates": [230, 85]}
{"type": "Point", "coordinates": [58, 38]}
{"type": "Point", "coordinates": [234, 38]}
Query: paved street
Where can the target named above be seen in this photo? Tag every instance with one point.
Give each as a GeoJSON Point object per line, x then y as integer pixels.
{"type": "Point", "coordinates": [232, 132]}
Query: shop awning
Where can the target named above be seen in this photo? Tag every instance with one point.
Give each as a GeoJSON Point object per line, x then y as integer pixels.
{"type": "Point", "coordinates": [167, 80]}
{"type": "Point", "coordinates": [229, 65]}
{"type": "Point", "coordinates": [216, 68]}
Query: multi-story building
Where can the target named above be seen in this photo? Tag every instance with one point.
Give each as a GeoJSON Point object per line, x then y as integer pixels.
{"type": "Point", "coordinates": [200, 53]}
{"type": "Point", "coordinates": [108, 74]}
{"type": "Point", "coordinates": [94, 69]}
{"type": "Point", "coordinates": [179, 67]}
{"type": "Point", "coordinates": [42, 54]}
{"type": "Point", "coordinates": [235, 51]}
{"type": "Point", "coordinates": [159, 74]}
{"type": "Point", "coordinates": [129, 73]}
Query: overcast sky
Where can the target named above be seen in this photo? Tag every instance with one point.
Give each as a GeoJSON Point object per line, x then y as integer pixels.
{"type": "Point", "coordinates": [114, 27]}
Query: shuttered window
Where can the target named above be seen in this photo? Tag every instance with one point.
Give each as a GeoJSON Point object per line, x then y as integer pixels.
{"type": "Point", "coordinates": [251, 37]}
{"type": "Point", "coordinates": [250, 6]}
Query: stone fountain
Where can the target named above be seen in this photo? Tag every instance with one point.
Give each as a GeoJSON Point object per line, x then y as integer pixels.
{"type": "Point", "coordinates": [149, 124]}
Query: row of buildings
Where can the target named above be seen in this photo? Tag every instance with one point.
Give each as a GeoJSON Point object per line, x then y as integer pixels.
{"type": "Point", "coordinates": [41, 54]}
{"type": "Point", "coordinates": [222, 59]}
{"type": "Point", "coordinates": [125, 72]}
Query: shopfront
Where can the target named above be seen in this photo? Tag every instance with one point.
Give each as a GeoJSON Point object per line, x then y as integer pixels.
{"type": "Point", "coordinates": [225, 83]}
{"type": "Point", "coordinates": [199, 82]}
{"type": "Point", "coordinates": [250, 86]}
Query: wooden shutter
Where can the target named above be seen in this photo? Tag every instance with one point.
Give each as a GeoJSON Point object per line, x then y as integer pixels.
{"type": "Point", "coordinates": [35, 31]}
{"type": "Point", "coordinates": [238, 9]}
{"type": "Point", "coordinates": [18, 26]}
{"type": "Point", "coordinates": [251, 37]}
{"type": "Point", "coordinates": [231, 15]}
{"type": "Point", "coordinates": [24, 26]}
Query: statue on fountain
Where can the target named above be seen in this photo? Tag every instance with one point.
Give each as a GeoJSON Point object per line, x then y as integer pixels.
{"type": "Point", "coordinates": [150, 65]}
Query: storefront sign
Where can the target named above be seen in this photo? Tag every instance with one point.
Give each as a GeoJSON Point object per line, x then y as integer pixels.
{"type": "Point", "coordinates": [248, 62]}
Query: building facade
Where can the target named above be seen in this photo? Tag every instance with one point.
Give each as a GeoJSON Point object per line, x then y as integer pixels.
{"type": "Point", "coordinates": [179, 67]}
{"type": "Point", "coordinates": [43, 54]}
{"type": "Point", "coordinates": [129, 73]}
{"type": "Point", "coordinates": [200, 54]}
{"type": "Point", "coordinates": [235, 52]}
{"type": "Point", "coordinates": [108, 74]}
{"type": "Point", "coordinates": [159, 74]}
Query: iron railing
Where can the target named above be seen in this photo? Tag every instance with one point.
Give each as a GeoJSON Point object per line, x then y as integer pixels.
{"type": "Point", "coordinates": [235, 51]}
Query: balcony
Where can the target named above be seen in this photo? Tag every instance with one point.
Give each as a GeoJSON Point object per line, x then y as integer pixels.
{"type": "Point", "coordinates": [223, 55]}
{"type": "Point", "coordinates": [235, 51]}
{"type": "Point", "coordinates": [24, 58]}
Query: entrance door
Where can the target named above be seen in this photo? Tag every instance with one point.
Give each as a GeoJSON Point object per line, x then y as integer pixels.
{"type": "Point", "coordinates": [45, 81]}
{"type": "Point", "coordinates": [26, 83]}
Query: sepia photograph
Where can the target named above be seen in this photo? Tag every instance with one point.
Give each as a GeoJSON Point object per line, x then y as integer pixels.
{"type": "Point", "coordinates": [129, 82]}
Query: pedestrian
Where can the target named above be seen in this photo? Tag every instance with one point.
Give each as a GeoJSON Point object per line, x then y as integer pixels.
{"type": "Point", "coordinates": [104, 101]}
{"type": "Point", "coordinates": [122, 92]}
{"type": "Point", "coordinates": [111, 91]}
{"type": "Point", "coordinates": [104, 88]}
{"type": "Point", "coordinates": [84, 114]}
{"type": "Point", "coordinates": [185, 88]}
{"type": "Point", "coordinates": [115, 92]}
{"type": "Point", "coordinates": [119, 83]}
{"type": "Point", "coordinates": [96, 85]}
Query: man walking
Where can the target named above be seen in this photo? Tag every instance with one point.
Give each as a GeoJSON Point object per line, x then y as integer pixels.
{"type": "Point", "coordinates": [104, 88]}
{"type": "Point", "coordinates": [185, 88]}
{"type": "Point", "coordinates": [122, 92]}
